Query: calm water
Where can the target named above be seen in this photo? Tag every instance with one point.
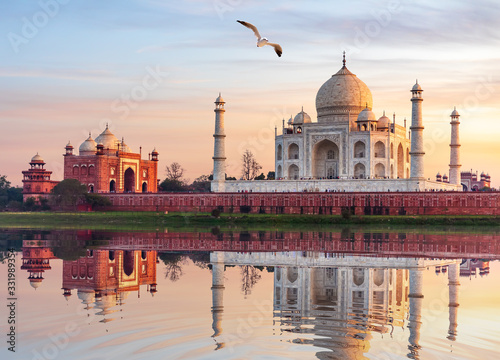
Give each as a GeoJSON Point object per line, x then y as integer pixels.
{"type": "Point", "coordinates": [253, 295]}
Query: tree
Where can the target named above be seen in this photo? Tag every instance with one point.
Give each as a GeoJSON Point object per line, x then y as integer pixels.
{"type": "Point", "coordinates": [249, 277]}
{"type": "Point", "coordinates": [97, 201]}
{"type": "Point", "coordinates": [271, 175]}
{"type": "Point", "coordinates": [173, 265]}
{"type": "Point", "coordinates": [250, 166]}
{"type": "Point", "coordinates": [174, 171]}
{"type": "Point", "coordinates": [172, 185]}
{"type": "Point", "coordinates": [30, 203]}
{"type": "Point", "coordinates": [69, 192]}
{"type": "Point", "coordinates": [4, 187]}
{"type": "Point", "coordinates": [174, 181]}
{"type": "Point", "coordinates": [201, 184]}
{"type": "Point", "coordinates": [261, 177]}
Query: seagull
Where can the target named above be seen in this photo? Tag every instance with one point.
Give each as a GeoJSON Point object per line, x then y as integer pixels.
{"type": "Point", "coordinates": [261, 41]}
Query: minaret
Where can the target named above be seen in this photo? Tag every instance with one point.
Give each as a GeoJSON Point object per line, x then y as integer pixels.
{"type": "Point", "coordinates": [453, 284]}
{"type": "Point", "coordinates": [417, 140]}
{"type": "Point", "coordinates": [455, 149]}
{"type": "Point", "coordinates": [219, 175]}
{"type": "Point", "coordinates": [217, 261]}
{"type": "Point", "coordinates": [415, 299]}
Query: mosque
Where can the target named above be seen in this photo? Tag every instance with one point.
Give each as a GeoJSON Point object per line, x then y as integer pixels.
{"type": "Point", "coordinates": [347, 149]}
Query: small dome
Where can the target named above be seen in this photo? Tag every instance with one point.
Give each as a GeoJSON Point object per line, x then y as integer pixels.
{"type": "Point", "coordinates": [383, 122]}
{"type": "Point", "coordinates": [88, 147]}
{"type": "Point", "coordinates": [290, 121]}
{"type": "Point", "coordinates": [219, 99]}
{"type": "Point", "coordinates": [367, 115]}
{"type": "Point", "coordinates": [302, 118]}
{"type": "Point", "coordinates": [154, 151]}
{"type": "Point", "coordinates": [69, 145]}
{"type": "Point", "coordinates": [455, 112]}
{"type": "Point", "coordinates": [37, 159]}
{"type": "Point", "coordinates": [445, 176]}
{"type": "Point", "coordinates": [438, 174]}
{"type": "Point", "coordinates": [416, 87]}
{"type": "Point", "coordinates": [108, 140]}
{"type": "Point", "coordinates": [124, 147]}
{"type": "Point", "coordinates": [35, 283]}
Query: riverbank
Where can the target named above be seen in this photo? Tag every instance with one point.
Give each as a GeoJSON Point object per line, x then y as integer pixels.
{"type": "Point", "coordinates": [142, 221]}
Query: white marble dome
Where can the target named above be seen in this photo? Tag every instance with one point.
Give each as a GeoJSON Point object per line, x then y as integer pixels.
{"type": "Point", "coordinates": [108, 140]}
{"type": "Point", "coordinates": [367, 115]}
{"type": "Point", "coordinates": [341, 94]}
{"type": "Point", "coordinates": [88, 147]}
{"type": "Point", "coordinates": [37, 158]}
{"type": "Point", "coordinates": [301, 118]}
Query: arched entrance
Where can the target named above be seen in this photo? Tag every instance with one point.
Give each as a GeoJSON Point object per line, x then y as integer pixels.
{"type": "Point", "coordinates": [112, 186]}
{"type": "Point", "coordinates": [144, 187]}
{"type": "Point", "coordinates": [128, 262]}
{"type": "Point", "coordinates": [359, 171]}
{"type": "Point", "coordinates": [293, 172]}
{"type": "Point", "coordinates": [293, 151]}
{"type": "Point", "coordinates": [401, 162]}
{"type": "Point", "coordinates": [380, 170]}
{"type": "Point", "coordinates": [129, 177]}
{"type": "Point", "coordinates": [325, 160]}
{"type": "Point", "coordinates": [279, 175]}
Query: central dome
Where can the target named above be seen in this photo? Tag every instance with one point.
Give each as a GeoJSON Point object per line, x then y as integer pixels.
{"type": "Point", "coordinates": [108, 140]}
{"type": "Point", "coordinates": [342, 94]}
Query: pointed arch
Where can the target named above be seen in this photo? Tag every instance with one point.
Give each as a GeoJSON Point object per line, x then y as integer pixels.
{"type": "Point", "coordinates": [293, 151]}
{"type": "Point", "coordinates": [359, 149]}
{"type": "Point", "coordinates": [129, 177]}
{"type": "Point", "coordinates": [401, 162]}
{"type": "Point", "coordinates": [325, 159]}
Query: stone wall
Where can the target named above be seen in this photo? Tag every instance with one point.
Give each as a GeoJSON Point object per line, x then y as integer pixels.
{"type": "Point", "coordinates": [360, 203]}
{"type": "Point", "coordinates": [347, 185]}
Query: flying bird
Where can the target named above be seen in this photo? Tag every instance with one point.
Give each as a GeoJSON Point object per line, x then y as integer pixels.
{"type": "Point", "coordinates": [261, 41]}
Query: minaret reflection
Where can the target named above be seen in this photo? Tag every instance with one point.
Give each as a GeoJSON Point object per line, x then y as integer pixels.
{"type": "Point", "coordinates": [217, 262]}
{"type": "Point", "coordinates": [415, 297]}
{"type": "Point", "coordinates": [453, 284]}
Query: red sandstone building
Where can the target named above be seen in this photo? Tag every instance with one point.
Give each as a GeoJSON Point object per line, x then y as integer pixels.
{"type": "Point", "coordinates": [469, 180]}
{"type": "Point", "coordinates": [104, 278]}
{"type": "Point", "coordinates": [36, 180]}
{"type": "Point", "coordinates": [107, 164]}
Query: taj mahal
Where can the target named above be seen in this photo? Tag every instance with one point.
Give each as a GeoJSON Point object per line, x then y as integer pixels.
{"type": "Point", "coordinates": [347, 149]}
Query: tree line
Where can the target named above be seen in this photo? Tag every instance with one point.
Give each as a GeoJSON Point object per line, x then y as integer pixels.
{"type": "Point", "coordinates": [175, 181]}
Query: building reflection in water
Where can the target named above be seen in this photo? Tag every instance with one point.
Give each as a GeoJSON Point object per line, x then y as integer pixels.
{"type": "Point", "coordinates": [333, 301]}
{"type": "Point", "coordinates": [103, 279]}
{"type": "Point", "coordinates": [336, 302]}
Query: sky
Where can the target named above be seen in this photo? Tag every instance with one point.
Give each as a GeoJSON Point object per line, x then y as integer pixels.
{"type": "Point", "coordinates": [152, 70]}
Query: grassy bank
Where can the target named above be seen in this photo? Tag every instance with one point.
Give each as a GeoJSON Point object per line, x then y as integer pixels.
{"type": "Point", "coordinates": [152, 221]}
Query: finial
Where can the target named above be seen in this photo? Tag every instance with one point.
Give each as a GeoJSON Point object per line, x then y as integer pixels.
{"type": "Point", "coordinates": [366, 105]}
{"type": "Point", "coordinates": [90, 134]}
{"type": "Point", "coordinates": [343, 59]}
{"type": "Point", "coordinates": [302, 108]}
{"type": "Point", "coordinates": [219, 93]}
{"type": "Point", "coordinates": [416, 81]}
{"type": "Point", "coordinates": [106, 125]}
{"type": "Point", "coordinates": [384, 113]}
{"type": "Point", "coordinates": [454, 108]}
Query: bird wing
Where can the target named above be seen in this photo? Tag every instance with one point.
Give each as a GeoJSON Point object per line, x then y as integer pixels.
{"type": "Point", "coordinates": [277, 48]}
{"type": "Point", "coordinates": [250, 26]}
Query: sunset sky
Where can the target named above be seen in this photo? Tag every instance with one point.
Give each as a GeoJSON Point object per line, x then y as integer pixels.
{"type": "Point", "coordinates": [152, 70]}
